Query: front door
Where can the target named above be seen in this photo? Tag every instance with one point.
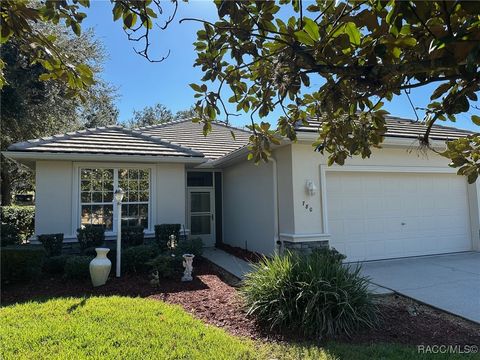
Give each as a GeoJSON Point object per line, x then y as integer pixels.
{"type": "Point", "coordinates": [201, 215]}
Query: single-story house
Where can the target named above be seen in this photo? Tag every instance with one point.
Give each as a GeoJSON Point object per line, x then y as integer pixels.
{"type": "Point", "coordinates": [400, 202]}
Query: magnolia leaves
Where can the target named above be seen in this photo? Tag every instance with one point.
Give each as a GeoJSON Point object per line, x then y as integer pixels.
{"type": "Point", "coordinates": [465, 155]}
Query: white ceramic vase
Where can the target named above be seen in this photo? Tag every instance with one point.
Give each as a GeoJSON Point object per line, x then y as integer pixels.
{"type": "Point", "coordinates": [100, 267]}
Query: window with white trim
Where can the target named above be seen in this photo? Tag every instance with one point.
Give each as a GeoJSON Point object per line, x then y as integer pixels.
{"type": "Point", "coordinates": [97, 187]}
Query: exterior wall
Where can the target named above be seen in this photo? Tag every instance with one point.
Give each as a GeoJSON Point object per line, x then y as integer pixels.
{"type": "Point", "coordinates": [283, 157]}
{"type": "Point", "coordinates": [57, 186]}
{"type": "Point", "coordinates": [306, 166]}
{"type": "Point", "coordinates": [170, 194]}
{"type": "Point", "coordinates": [248, 206]}
{"type": "Point", "coordinates": [53, 197]}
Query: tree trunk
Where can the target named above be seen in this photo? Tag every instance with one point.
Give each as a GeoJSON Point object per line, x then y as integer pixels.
{"type": "Point", "coordinates": [6, 185]}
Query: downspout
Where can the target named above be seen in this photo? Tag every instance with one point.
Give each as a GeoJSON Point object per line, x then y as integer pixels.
{"type": "Point", "coordinates": [276, 230]}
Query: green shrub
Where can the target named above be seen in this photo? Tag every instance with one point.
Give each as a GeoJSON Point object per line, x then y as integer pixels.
{"type": "Point", "coordinates": [168, 266]}
{"type": "Point", "coordinates": [163, 232]}
{"type": "Point", "coordinates": [52, 243]}
{"type": "Point", "coordinates": [9, 235]}
{"type": "Point", "coordinates": [78, 267]}
{"type": "Point", "coordinates": [132, 236]}
{"type": "Point", "coordinates": [21, 263]}
{"type": "Point", "coordinates": [55, 264]}
{"type": "Point", "coordinates": [136, 258]}
{"type": "Point", "coordinates": [91, 236]}
{"type": "Point", "coordinates": [190, 246]}
{"type": "Point", "coordinates": [315, 295]}
{"type": "Point", "coordinates": [22, 218]}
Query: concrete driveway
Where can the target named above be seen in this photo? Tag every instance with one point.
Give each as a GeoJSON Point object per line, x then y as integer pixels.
{"type": "Point", "coordinates": [448, 282]}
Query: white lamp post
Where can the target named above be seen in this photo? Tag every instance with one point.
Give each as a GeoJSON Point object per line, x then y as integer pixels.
{"type": "Point", "coordinates": [118, 198]}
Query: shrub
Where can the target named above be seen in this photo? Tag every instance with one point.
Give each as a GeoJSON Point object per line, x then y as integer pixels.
{"type": "Point", "coordinates": [9, 235]}
{"type": "Point", "coordinates": [163, 232]}
{"type": "Point", "coordinates": [21, 263]}
{"type": "Point", "coordinates": [22, 218]}
{"type": "Point", "coordinates": [132, 236]}
{"type": "Point", "coordinates": [136, 258]}
{"type": "Point", "coordinates": [190, 246]}
{"type": "Point", "coordinates": [78, 267]}
{"type": "Point", "coordinates": [168, 266]}
{"type": "Point", "coordinates": [91, 236]}
{"type": "Point", "coordinates": [55, 264]}
{"type": "Point", "coordinates": [52, 243]}
{"type": "Point", "coordinates": [315, 295]}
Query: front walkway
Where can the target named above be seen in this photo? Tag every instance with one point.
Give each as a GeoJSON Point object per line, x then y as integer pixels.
{"type": "Point", "coordinates": [447, 282]}
{"type": "Point", "coordinates": [230, 263]}
{"type": "Point", "coordinates": [239, 267]}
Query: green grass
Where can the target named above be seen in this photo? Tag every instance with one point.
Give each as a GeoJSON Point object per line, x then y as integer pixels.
{"type": "Point", "coordinates": [134, 328]}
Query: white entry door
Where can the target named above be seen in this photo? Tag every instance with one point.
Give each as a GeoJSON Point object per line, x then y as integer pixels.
{"type": "Point", "coordinates": [388, 215]}
{"type": "Point", "coordinates": [201, 215]}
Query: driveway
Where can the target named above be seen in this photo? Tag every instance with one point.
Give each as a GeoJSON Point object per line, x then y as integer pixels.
{"type": "Point", "coordinates": [448, 282]}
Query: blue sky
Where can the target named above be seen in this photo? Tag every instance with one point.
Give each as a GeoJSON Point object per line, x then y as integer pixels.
{"type": "Point", "coordinates": [141, 83]}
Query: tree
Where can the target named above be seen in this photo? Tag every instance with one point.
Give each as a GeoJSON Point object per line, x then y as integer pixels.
{"type": "Point", "coordinates": [158, 114]}
{"type": "Point", "coordinates": [150, 115]}
{"type": "Point", "coordinates": [363, 53]}
{"type": "Point", "coordinates": [185, 114]}
{"type": "Point", "coordinates": [33, 108]}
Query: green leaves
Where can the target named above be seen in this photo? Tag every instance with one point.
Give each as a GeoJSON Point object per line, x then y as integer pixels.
{"type": "Point", "coordinates": [311, 28]}
{"type": "Point", "coordinates": [353, 33]}
{"type": "Point", "coordinates": [476, 120]}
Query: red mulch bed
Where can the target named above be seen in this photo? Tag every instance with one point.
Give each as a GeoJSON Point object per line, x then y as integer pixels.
{"type": "Point", "coordinates": [211, 298]}
{"type": "Point", "coordinates": [241, 253]}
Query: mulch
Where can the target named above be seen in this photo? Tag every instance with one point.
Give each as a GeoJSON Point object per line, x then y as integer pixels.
{"type": "Point", "coordinates": [213, 297]}
{"type": "Point", "coordinates": [243, 254]}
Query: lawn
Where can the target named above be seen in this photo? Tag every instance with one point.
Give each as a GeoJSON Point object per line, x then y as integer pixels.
{"type": "Point", "coordinates": [134, 328]}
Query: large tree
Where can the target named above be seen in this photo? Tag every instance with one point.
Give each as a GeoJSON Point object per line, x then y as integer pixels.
{"type": "Point", "coordinates": [362, 53]}
{"type": "Point", "coordinates": [33, 108]}
{"type": "Point", "coordinates": [158, 114]}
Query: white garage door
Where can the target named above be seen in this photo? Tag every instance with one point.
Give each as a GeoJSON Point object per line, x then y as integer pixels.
{"type": "Point", "coordinates": [386, 215]}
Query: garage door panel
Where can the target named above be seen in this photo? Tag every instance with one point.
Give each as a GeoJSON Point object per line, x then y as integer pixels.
{"type": "Point", "coordinates": [385, 215]}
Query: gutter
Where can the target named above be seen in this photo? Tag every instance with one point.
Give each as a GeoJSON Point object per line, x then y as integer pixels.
{"type": "Point", "coordinates": [30, 155]}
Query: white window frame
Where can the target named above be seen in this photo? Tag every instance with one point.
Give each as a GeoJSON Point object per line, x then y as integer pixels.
{"type": "Point", "coordinates": [76, 200]}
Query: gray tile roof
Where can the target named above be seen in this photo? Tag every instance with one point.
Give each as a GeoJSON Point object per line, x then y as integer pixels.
{"type": "Point", "coordinates": [105, 140]}
{"type": "Point", "coordinates": [405, 128]}
{"type": "Point", "coordinates": [184, 132]}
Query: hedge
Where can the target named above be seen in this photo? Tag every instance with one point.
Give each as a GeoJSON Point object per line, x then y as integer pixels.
{"type": "Point", "coordinates": [21, 263]}
{"type": "Point", "coordinates": [91, 236]}
{"type": "Point", "coordinates": [21, 218]}
{"type": "Point", "coordinates": [52, 243]}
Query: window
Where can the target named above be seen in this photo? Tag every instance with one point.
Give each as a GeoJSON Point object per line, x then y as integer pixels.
{"type": "Point", "coordinates": [136, 184]}
{"type": "Point", "coordinates": [96, 197]}
{"type": "Point", "coordinates": [97, 187]}
{"type": "Point", "coordinates": [199, 178]}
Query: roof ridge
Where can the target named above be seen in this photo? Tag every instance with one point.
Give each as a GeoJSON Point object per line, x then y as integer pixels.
{"type": "Point", "coordinates": [163, 142]}
{"type": "Point", "coordinates": [178, 121]}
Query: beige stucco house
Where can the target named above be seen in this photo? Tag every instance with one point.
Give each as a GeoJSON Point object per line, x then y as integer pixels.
{"type": "Point", "coordinates": [400, 202]}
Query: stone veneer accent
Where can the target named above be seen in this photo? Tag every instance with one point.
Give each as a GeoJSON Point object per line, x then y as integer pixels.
{"type": "Point", "coordinates": [304, 247]}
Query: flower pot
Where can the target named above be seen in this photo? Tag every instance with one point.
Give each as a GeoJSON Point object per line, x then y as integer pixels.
{"type": "Point", "coordinates": [100, 267]}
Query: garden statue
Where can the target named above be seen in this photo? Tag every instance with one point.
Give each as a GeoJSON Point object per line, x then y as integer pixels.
{"type": "Point", "coordinates": [155, 279]}
{"type": "Point", "coordinates": [188, 265]}
{"type": "Point", "coordinates": [172, 242]}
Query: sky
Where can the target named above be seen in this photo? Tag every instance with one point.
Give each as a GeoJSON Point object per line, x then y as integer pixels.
{"type": "Point", "coordinates": [141, 83]}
